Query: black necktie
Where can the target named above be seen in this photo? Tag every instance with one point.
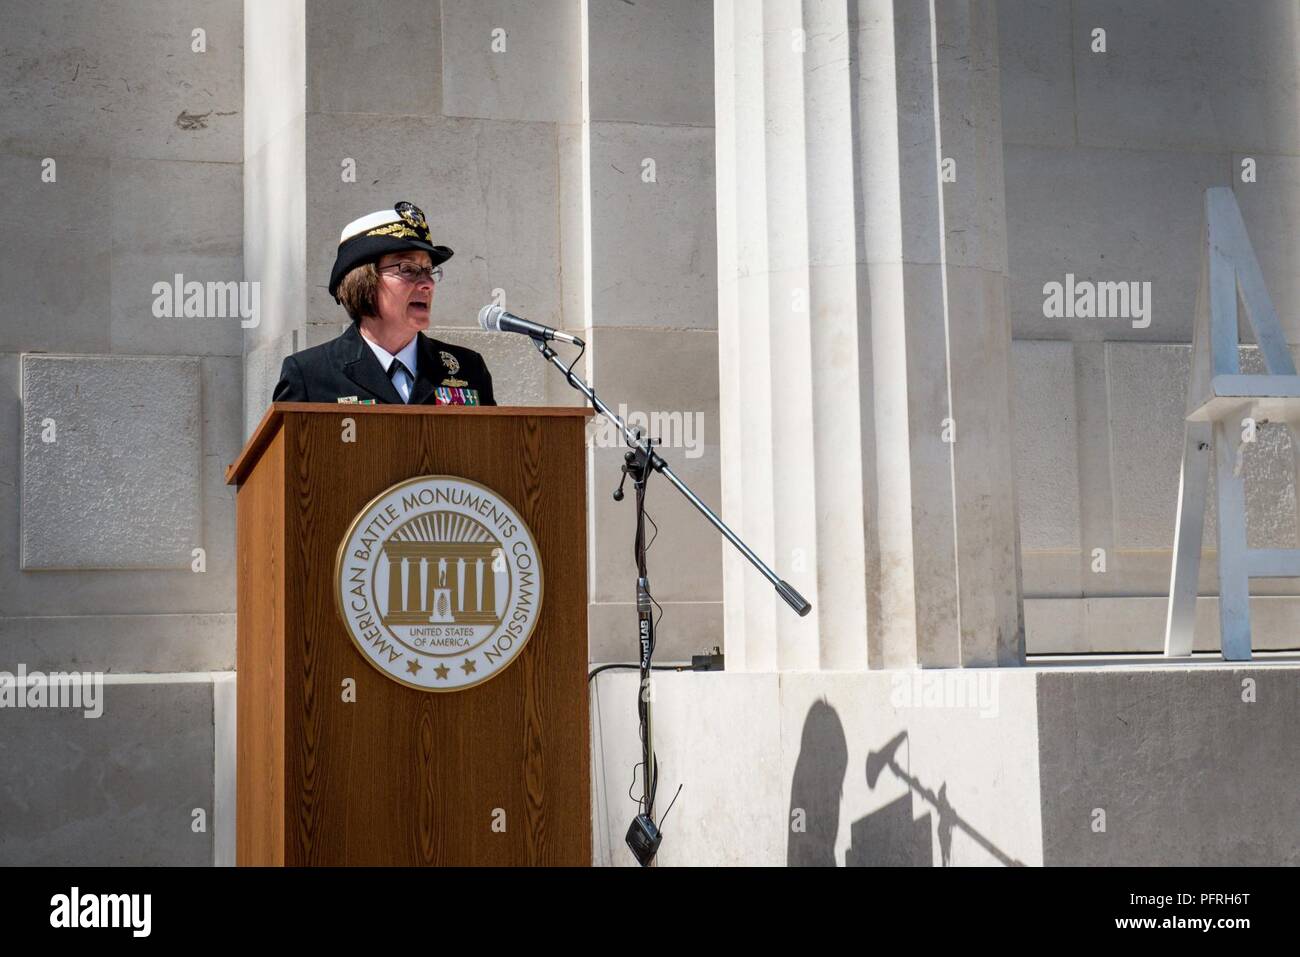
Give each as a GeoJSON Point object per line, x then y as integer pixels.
{"type": "Point", "coordinates": [392, 374]}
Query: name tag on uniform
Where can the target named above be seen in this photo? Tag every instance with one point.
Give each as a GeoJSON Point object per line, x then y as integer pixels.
{"type": "Point", "coordinates": [448, 395]}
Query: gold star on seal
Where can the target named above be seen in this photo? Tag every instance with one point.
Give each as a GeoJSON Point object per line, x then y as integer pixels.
{"type": "Point", "coordinates": [414, 666]}
{"type": "Point", "coordinates": [441, 671]}
{"type": "Point", "coordinates": [469, 665]}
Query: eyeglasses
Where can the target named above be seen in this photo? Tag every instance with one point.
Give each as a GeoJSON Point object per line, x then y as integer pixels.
{"type": "Point", "coordinates": [414, 272]}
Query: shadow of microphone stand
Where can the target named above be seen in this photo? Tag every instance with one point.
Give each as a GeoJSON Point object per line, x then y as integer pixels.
{"type": "Point", "coordinates": [877, 761]}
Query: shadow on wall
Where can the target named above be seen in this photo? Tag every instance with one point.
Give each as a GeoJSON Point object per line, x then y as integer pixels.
{"type": "Point", "coordinates": [888, 837]}
{"type": "Point", "coordinates": [816, 789]}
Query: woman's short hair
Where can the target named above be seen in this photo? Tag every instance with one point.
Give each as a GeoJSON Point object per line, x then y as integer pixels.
{"type": "Point", "coordinates": [358, 291]}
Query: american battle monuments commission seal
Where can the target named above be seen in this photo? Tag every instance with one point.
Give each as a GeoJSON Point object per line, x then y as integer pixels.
{"type": "Point", "coordinates": [438, 582]}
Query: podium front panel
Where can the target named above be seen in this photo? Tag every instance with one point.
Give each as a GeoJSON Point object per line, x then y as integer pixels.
{"type": "Point", "coordinates": [494, 774]}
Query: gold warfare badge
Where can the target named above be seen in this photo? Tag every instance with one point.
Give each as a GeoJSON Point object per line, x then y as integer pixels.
{"type": "Point", "coordinates": [438, 583]}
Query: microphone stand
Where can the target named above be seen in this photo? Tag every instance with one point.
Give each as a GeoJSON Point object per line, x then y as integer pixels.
{"type": "Point", "coordinates": [644, 837]}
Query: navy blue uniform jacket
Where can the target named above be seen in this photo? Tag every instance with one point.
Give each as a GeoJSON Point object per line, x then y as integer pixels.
{"type": "Point", "coordinates": [347, 366]}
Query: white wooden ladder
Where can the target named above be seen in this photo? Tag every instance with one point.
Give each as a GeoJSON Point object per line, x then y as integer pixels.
{"type": "Point", "coordinates": [1219, 399]}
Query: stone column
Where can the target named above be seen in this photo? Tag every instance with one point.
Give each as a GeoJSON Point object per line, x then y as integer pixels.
{"type": "Point", "coordinates": [275, 193]}
{"type": "Point", "coordinates": [863, 334]}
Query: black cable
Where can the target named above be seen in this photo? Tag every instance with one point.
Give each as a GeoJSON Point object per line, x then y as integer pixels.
{"type": "Point", "coordinates": [670, 807]}
{"type": "Point", "coordinates": [656, 534]}
{"type": "Point", "coordinates": [568, 373]}
{"type": "Point", "coordinates": [654, 632]}
{"type": "Point", "coordinates": [635, 667]}
{"type": "Point", "coordinates": [630, 796]}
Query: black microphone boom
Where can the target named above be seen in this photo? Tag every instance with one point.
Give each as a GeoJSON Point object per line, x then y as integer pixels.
{"type": "Point", "coordinates": [496, 319]}
{"type": "Point", "coordinates": [788, 593]}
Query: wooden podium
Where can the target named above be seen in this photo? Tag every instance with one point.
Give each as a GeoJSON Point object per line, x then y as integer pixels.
{"type": "Point", "coordinates": [493, 774]}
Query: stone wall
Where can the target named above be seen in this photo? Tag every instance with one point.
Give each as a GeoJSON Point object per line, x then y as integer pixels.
{"type": "Point", "coordinates": [121, 163]}
{"type": "Point", "coordinates": [1107, 157]}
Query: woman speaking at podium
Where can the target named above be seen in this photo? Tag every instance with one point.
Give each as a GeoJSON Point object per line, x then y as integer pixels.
{"type": "Point", "coordinates": [384, 275]}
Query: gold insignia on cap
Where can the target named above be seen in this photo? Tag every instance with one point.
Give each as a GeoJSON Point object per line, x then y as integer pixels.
{"type": "Point", "coordinates": [450, 361]}
{"type": "Point", "coordinates": [395, 229]}
{"type": "Point", "coordinates": [413, 216]}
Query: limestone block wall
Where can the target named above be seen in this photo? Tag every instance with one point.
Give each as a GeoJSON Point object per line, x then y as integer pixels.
{"type": "Point", "coordinates": [1107, 155]}
{"type": "Point", "coordinates": [121, 137]}
{"type": "Point", "coordinates": [1078, 764]}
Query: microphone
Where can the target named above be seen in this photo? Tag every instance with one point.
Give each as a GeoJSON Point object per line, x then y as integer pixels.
{"type": "Point", "coordinates": [496, 319]}
{"type": "Point", "coordinates": [877, 761]}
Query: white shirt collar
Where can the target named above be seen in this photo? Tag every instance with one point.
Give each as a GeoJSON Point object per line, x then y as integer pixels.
{"type": "Point", "coordinates": [407, 353]}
